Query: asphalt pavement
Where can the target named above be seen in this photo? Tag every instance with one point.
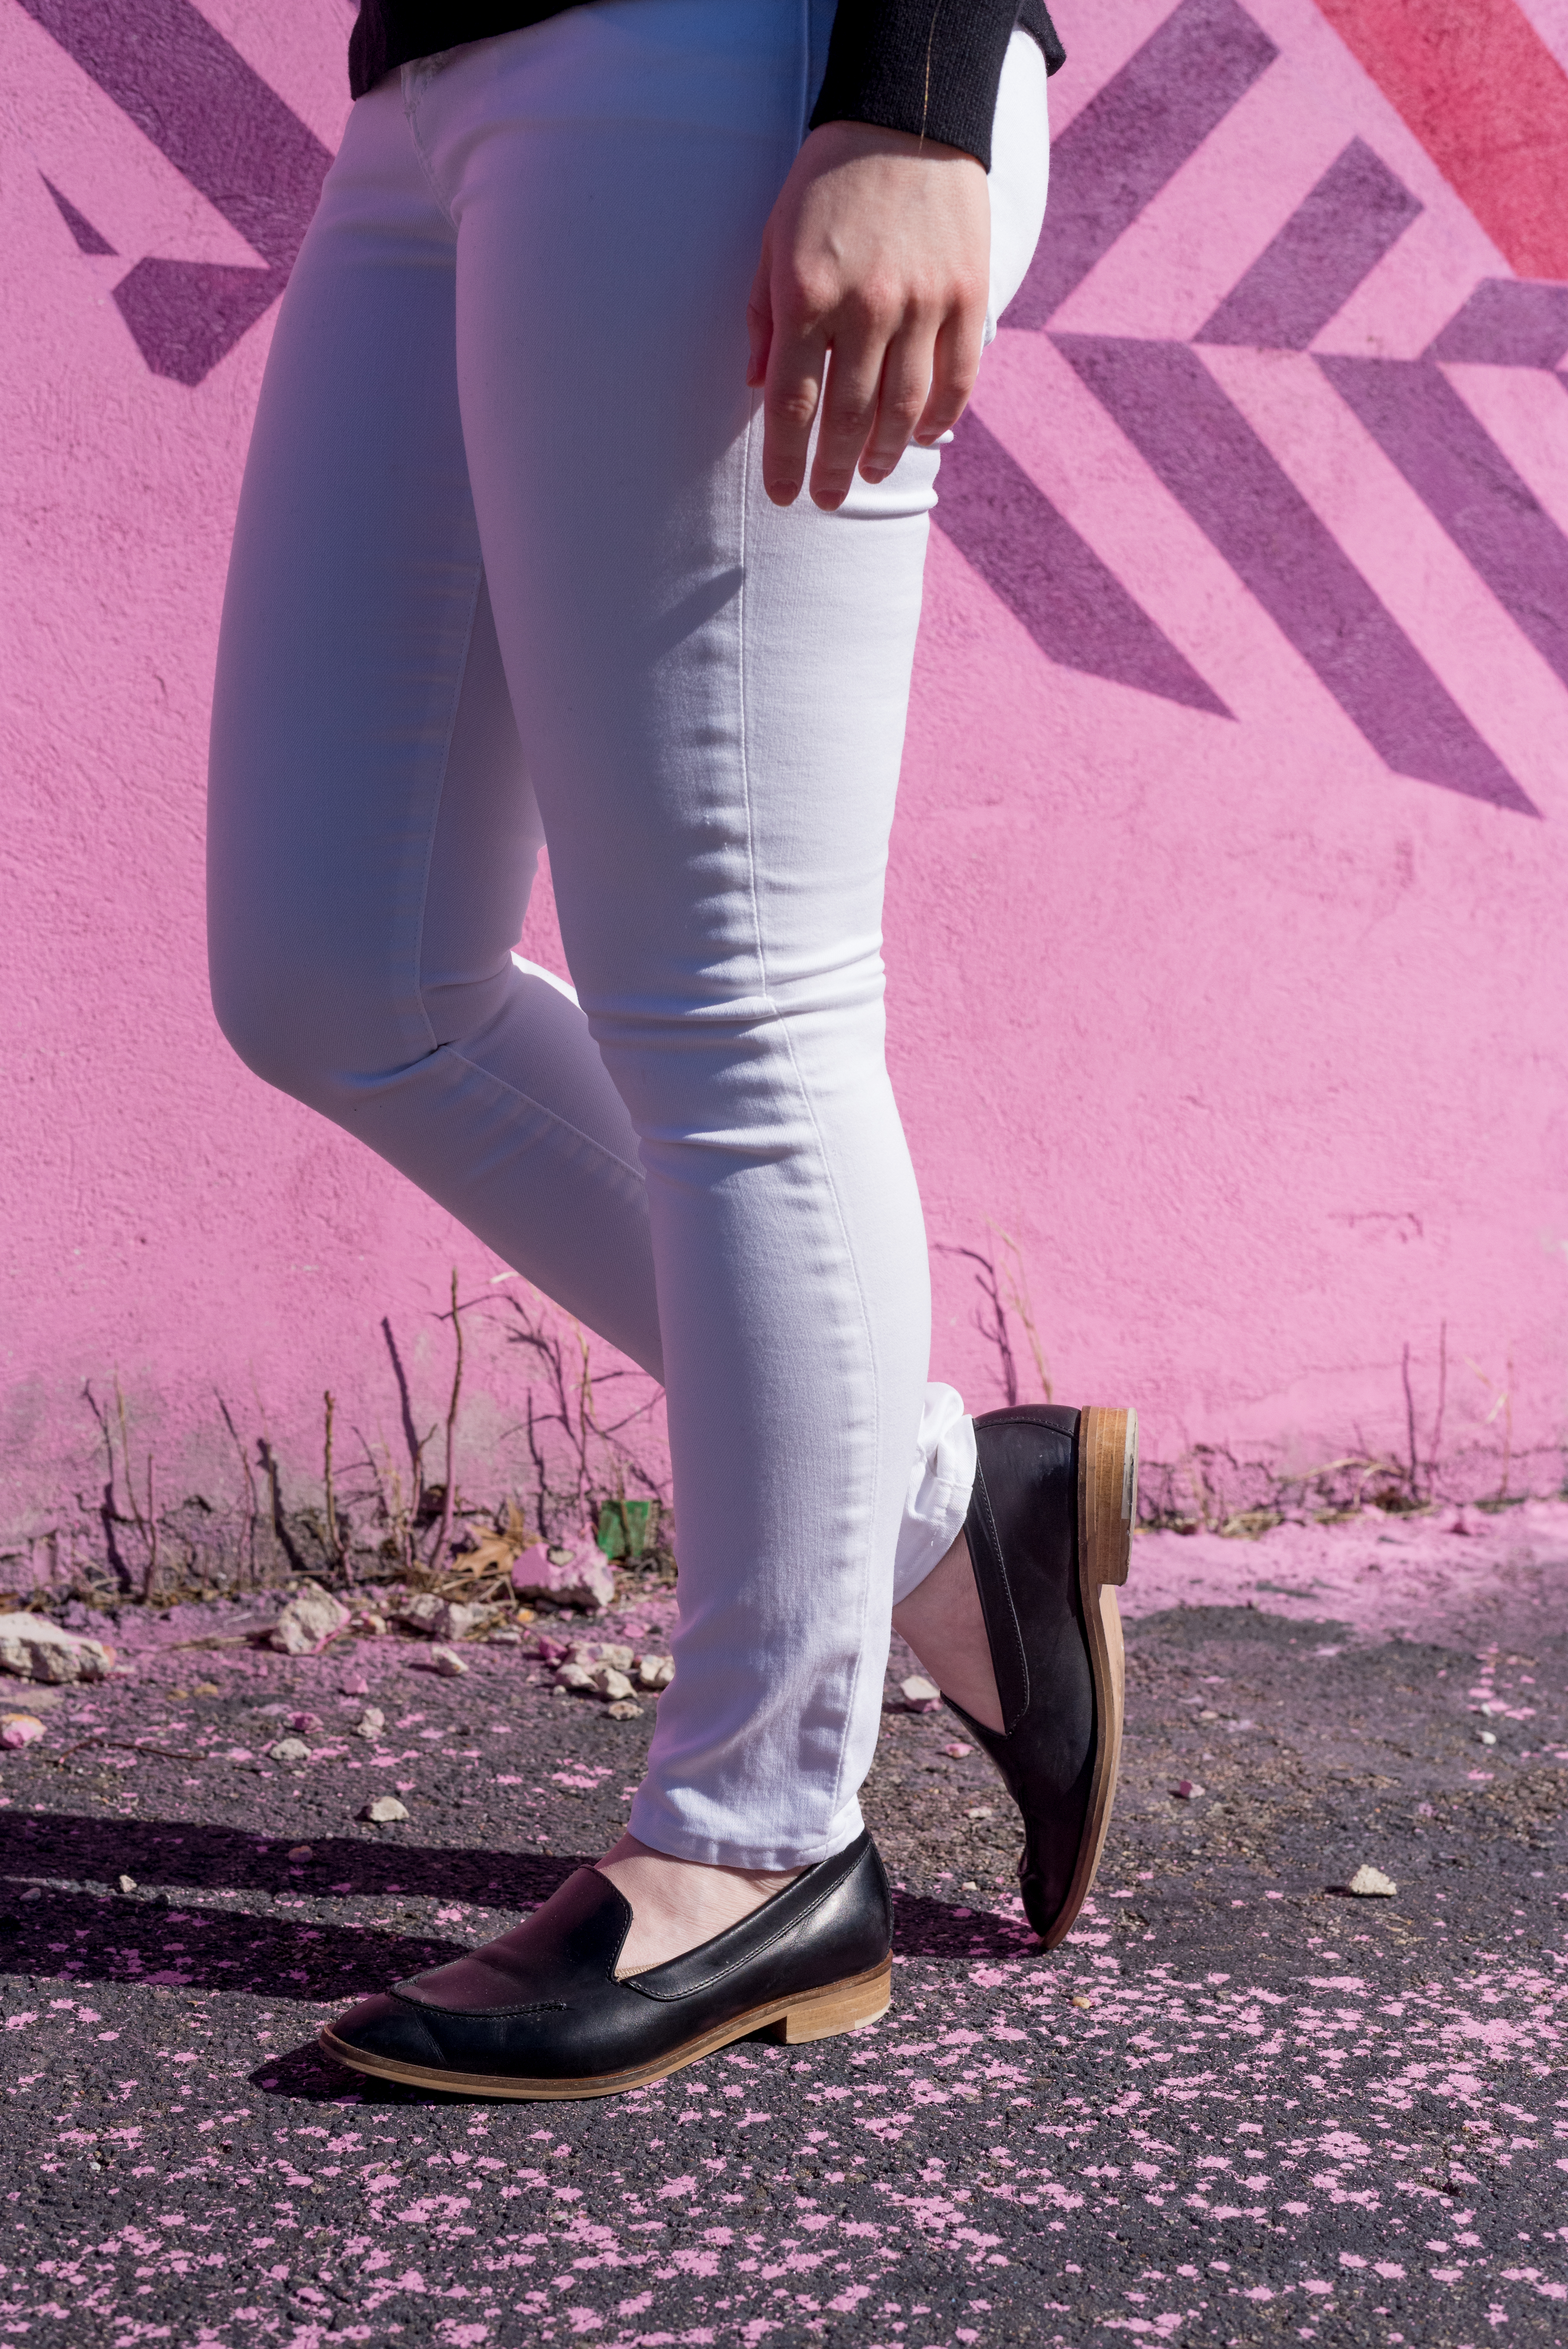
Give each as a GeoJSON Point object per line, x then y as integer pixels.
{"type": "Point", "coordinates": [1239, 2105]}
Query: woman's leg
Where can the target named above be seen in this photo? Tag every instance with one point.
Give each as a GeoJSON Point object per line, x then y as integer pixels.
{"type": "Point", "coordinates": [367, 779]}
{"type": "Point", "coordinates": [936, 1606]}
{"type": "Point", "coordinates": [712, 695]}
{"type": "Point", "coordinates": [372, 832]}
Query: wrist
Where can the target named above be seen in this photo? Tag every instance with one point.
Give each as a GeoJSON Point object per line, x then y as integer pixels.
{"type": "Point", "coordinates": [843, 141]}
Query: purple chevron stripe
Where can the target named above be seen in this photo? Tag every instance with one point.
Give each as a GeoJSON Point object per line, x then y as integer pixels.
{"type": "Point", "coordinates": [1465, 481]}
{"type": "Point", "coordinates": [1133, 136]}
{"type": "Point", "coordinates": [1215, 466]}
{"type": "Point", "coordinates": [184, 315]}
{"type": "Point", "coordinates": [1335, 238]}
{"type": "Point", "coordinates": [1508, 322]}
{"type": "Point", "coordinates": [202, 107]}
{"type": "Point", "coordinates": [88, 238]}
{"type": "Point", "coordinates": [1077, 611]}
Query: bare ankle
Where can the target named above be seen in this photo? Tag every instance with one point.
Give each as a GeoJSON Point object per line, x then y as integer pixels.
{"type": "Point", "coordinates": [677, 1903]}
{"type": "Point", "coordinates": [942, 1621]}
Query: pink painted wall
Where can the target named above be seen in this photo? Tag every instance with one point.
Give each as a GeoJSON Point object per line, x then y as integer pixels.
{"type": "Point", "coordinates": [1225, 936]}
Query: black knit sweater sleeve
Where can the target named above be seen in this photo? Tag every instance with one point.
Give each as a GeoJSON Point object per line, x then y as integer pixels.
{"type": "Point", "coordinates": [930, 66]}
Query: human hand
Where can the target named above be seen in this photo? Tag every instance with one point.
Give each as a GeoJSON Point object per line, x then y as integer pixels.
{"type": "Point", "coordinates": [878, 252]}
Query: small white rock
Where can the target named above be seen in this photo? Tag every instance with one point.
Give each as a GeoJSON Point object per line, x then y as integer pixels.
{"type": "Point", "coordinates": [506, 1637]}
{"type": "Point", "coordinates": [919, 1694]}
{"type": "Point", "coordinates": [127, 1884]}
{"type": "Point", "coordinates": [576, 1677]}
{"type": "Point", "coordinates": [384, 1812]}
{"type": "Point", "coordinates": [608, 1682]}
{"type": "Point", "coordinates": [1487, 1736]}
{"type": "Point", "coordinates": [1371, 1884]}
{"type": "Point", "coordinates": [956, 1751]}
{"type": "Point", "coordinates": [623, 1709]}
{"type": "Point", "coordinates": [19, 1729]}
{"type": "Point", "coordinates": [981, 1811]}
{"type": "Point", "coordinates": [440, 1619]}
{"type": "Point", "coordinates": [445, 1661]}
{"type": "Point", "coordinates": [370, 1723]}
{"type": "Point", "coordinates": [655, 1672]}
{"type": "Point", "coordinates": [288, 1749]}
{"type": "Point", "coordinates": [311, 1617]}
{"type": "Point", "coordinates": [37, 1650]}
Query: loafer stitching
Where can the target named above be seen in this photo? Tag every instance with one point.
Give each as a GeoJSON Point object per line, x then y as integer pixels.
{"type": "Point", "coordinates": [474, 2014]}
{"type": "Point", "coordinates": [637, 1982]}
{"type": "Point", "coordinates": [669, 1998]}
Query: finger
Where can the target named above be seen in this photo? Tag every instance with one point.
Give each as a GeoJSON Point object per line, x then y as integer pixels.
{"type": "Point", "coordinates": [905, 386]}
{"type": "Point", "coordinates": [848, 409]}
{"type": "Point", "coordinates": [796, 366]}
{"type": "Point", "coordinates": [955, 363]}
{"type": "Point", "coordinates": [759, 319]}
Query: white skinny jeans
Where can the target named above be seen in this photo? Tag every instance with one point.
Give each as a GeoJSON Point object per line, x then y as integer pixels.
{"type": "Point", "coordinates": [504, 572]}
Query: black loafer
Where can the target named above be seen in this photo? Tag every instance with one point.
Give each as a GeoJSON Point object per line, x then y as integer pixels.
{"type": "Point", "coordinates": [539, 2012]}
{"type": "Point", "coordinates": [1049, 1531]}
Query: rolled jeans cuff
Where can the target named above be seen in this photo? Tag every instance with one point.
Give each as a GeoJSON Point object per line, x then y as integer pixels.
{"type": "Point", "coordinates": [941, 1481]}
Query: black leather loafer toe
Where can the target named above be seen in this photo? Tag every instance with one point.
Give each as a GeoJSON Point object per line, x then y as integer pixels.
{"type": "Point", "coordinates": [1050, 1533]}
{"type": "Point", "coordinates": [540, 2013]}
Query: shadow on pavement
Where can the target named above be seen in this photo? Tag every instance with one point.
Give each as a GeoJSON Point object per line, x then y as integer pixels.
{"type": "Point", "coordinates": [75, 1846]}
{"type": "Point", "coordinates": [61, 1916]}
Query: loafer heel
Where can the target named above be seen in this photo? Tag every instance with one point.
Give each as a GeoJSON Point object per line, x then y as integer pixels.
{"type": "Point", "coordinates": [1108, 1494]}
{"type": "Point", "coordinates": [842, 2006]}
{"type": "Point", "coordinates": [1107, 1497]}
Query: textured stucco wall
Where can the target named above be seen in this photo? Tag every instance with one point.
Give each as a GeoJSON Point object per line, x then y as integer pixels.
{"type": "Point", "coordinates": [1224, 928]}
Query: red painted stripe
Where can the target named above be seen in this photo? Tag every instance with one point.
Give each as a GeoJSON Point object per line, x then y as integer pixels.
{"type": "Point", "coordinates": [1487, 101]}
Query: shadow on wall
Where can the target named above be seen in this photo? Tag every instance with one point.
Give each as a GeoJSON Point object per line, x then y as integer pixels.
{"type": "Point", "coordinates": [600, 1472]}
{"type": "Point", "coordinates": [1208, 1488]}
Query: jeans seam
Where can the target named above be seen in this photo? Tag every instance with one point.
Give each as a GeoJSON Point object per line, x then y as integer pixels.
{"type": "Point", "coordinates": [441, 792]}
{"type": "Point", "coordinates": [804, 1094]}
{"type": "Point", "coordinates": [414, 77]}
{"type": "Point", "coordinates": [562, 1125]}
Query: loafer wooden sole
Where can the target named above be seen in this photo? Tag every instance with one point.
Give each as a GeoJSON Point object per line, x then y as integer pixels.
{"type": "Point", "coordinates": [543, 2013]}
{"type": "Point", "coordinates": [818, 2014]}
{"type": "Point", "coordinates": [1108, 1503]}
